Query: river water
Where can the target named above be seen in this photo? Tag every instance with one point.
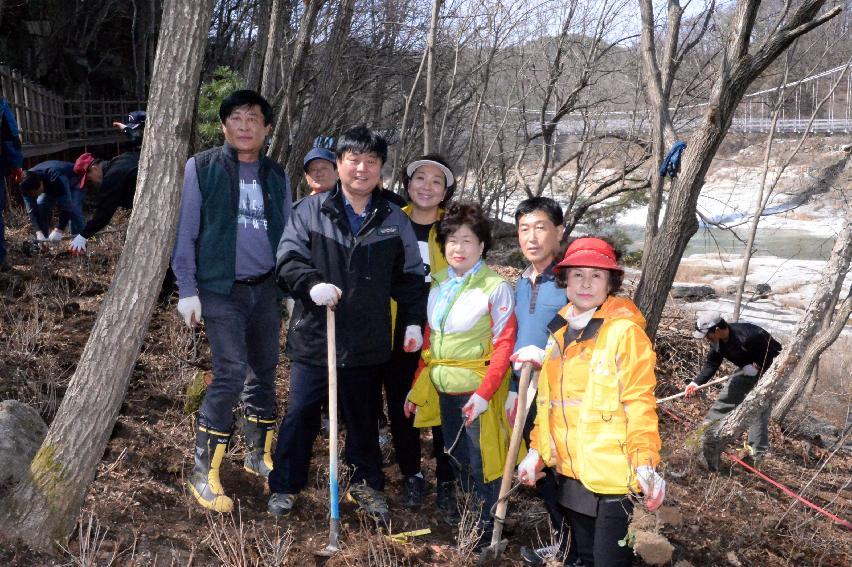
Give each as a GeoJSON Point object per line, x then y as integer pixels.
{"type": "Point", "coordinates": [782, 243]}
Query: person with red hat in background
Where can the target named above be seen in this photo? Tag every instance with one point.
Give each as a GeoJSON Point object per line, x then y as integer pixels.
{"type": "Point", "coordinates": [50, 184]}
{"type": "Point", "coordinates": [597, 419]}
{"type": "Point", "coordinates": [115, 185]}
{"type": "Point", "coordinates": [11, 160]}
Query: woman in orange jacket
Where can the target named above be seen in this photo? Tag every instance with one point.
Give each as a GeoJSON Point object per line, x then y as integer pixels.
{"type": "Point", "coordinates": [597, 420]}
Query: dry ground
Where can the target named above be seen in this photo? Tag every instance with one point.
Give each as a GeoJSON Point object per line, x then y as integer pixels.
{"type": "Point", "coordinates": [138, 513]}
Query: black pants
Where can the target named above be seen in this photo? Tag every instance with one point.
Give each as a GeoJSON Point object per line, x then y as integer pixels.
{"type": "Point", "coordinates": [397, 376]}
{"type": "Point", "coordinates": [597, 538]}
{"type": "Point", "coordinates": [358, 392]}
{"type": "Point", "coordinates": [548, 491]}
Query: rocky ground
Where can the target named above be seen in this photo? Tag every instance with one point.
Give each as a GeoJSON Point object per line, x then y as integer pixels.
{"type": "Point", "coordinates": [138, 512]}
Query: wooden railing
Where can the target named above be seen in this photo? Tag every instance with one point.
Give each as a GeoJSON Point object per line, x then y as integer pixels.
{"type": "Point", "coordinates": [50, 124]}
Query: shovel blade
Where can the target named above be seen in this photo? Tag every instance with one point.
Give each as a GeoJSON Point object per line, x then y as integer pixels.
{"type": "Point", "coordinates": [492, 552]}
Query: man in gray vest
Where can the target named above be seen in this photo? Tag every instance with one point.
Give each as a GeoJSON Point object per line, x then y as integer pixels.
{"type": "Point", "coordinates": [235, 204]}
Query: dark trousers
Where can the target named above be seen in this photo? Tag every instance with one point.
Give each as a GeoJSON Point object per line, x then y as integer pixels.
{"type": "Point", "coordinates": [243, 328]}
{"type": "Point", "coordinates": [358, 396]}
{"type": "Point", "coordinates": [397, 376]}
{"type": "Point", "coordinates": [467, 455]}
{"type": "Point", "coordinates": [597, 538]}
{"type": "Point", "coordinates": [548, 491]}
{"type": "Point", "coordinates": [729, 398]}
{"type": "Point", "coordinates": [2, 222]}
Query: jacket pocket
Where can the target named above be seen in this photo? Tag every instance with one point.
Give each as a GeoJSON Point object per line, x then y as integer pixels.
{"type": "Point", "coordinates": [603, 388]}
{"type": "Point", "coordinates": [604, 466]}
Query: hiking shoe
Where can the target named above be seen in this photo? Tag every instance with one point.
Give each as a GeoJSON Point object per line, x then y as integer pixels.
{"type": "Point", "coordinates": [281, 504]}
{"type": "Point", "coordinates": [371, 501]}
{"type": "Point", "coordinates": [447, 503]}
{"type": "Point", "coordinates": [538, 556]}
{"type": "Point", "coordinates": [415, 487]}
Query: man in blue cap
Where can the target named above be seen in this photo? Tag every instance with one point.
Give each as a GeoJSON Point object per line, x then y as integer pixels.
{"type": "Point", "coordinates": [320, 166]}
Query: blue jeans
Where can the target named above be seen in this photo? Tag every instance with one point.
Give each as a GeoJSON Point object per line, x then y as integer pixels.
{"type": "Point", "coordinates": [468, 455]}
{"type": "Point", "coordinates": [243, 329]}
{"type": "Point", "coordinates": [359, 398]}
{"type": "Point", "coordinates": [40, 210]}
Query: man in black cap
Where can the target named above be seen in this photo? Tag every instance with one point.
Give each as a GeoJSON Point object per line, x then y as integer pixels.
{"type": "Point", "coordinates": [752, 349]}
{"type": "Point", "coordinates": [320, 166]}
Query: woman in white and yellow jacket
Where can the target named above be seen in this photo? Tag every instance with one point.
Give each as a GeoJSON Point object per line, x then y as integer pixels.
{"type": "Point", "coordinates": [597, 420]}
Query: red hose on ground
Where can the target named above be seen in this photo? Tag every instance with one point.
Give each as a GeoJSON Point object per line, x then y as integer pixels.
{"type": "Point", "coordinates": [775, 483]}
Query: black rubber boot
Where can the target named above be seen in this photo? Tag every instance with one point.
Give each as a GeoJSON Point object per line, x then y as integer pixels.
{"type": "Point", "coordinates": [204, 483]}
{"type": "Point", "coordinates": [258, 435]}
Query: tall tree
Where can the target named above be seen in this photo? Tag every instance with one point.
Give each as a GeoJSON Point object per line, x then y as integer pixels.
{"type": "Point", "coordinates": [43, 509]}
{"type": "Point", "coordinates": [428, 101]}
{"type": "Point", "coordinates": [317, 111]}
{"type": "Point", "coordinates": [741, 63]}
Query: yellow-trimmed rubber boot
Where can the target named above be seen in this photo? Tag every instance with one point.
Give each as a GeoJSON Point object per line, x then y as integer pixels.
{"type": "Point", "coordinates": [204, 483]}
{"type": "Point", "coordinates": [258, 434]}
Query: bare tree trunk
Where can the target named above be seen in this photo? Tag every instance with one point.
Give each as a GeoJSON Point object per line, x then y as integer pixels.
{"type": "Point", "coordinates": [806, 372]}
{"type": "Point", "coordinates": [428, 104]}
{"type": "Point", "coordinates": [802, 350]}
{"type": "Point", "coordinates": [279, 23]}
{"type": "Point", "coordinates": [258, 50]}
{"type": "Point", "coordinates": [43, 509]}
{"type": "Point", "coordinates": [403, 135]}
{"type": "Point", "coordinates": [279, 147]}
{"type": "Point", "coordinates": [739, 67]}
{"type": "Point", "coordinates": [318, 110]}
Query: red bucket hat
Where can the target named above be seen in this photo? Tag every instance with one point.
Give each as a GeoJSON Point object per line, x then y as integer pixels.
{"type": "Point", "coordinates": [590, 253]}
{"type": "Point", "coordinates": [82, 165]}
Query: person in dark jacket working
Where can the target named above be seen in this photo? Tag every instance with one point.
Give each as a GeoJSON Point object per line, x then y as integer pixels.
{"type": "Point", "coordinates": [350, 249]}
{"type": "Point", "coordinates": [48, 184]}
{"type": "Point", "coordinates": [752, 349]}
{"type": "Point", "coordinates": [115, 182]}
{"type": "Point", "coordinates": [235, 203]}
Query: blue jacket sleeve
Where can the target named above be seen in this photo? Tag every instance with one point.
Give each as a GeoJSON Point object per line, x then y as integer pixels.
{"type": "Point", "coordinates": [11, 156]}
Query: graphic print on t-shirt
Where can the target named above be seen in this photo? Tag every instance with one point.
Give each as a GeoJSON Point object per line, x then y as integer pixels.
{"type": "Point", "coordinates": [424, 254]}
{"type": "Point", "coordinates": [251, 206]}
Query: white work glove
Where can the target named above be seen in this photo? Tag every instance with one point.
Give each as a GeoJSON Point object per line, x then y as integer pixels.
{"type": "Point", "coordinates": [55, 235]}
{"type": "Point", "coordinates": [326, 294]}
{"type": "Point", "coordinates": [475, 406]}
{"type": "Point", "coordinates": [531, 468]}
{"type": "Point", "coordinates": [653, 486]}
{"type": "Point", "coordinates": [750, 370]}
{"type": "Point", "coordinates": [511, 407]}
{"type": "Point", "coordinates": [690, 389]}
{"type": "Point", "coordinates": [190, 309]}
{"type": "Point", "coordinates": [409, 408]}
{"type": "Point", "coordinates": [413, 339]}
{"type": "Point", "coordinates": [41, 241]}
{"type": "Point", "coordinates": [78, 245]}
{"type": "Point", "coordinates": [529, 353]}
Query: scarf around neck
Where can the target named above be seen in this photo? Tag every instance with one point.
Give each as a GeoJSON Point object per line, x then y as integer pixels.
{"type": "Point", "coordinates": [449, 290]}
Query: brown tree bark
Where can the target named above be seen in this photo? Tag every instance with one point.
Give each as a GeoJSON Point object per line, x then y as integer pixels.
{"type": "Point", "coordinates": [258, 50]}
{"type": "Point", "coordinates": [802, 350]}
{"type": "Point", "coordinates": [428, 101]}
{"type": "Point", "coordinates": [276, 45]}
{"type": "Point", "coordinates": [317, 113]}
{"type": "Point", "coordinates": [281, 133]}
{"type": "Point", "coordinates": [43, 509]}
{"type": "Point", "coordinates": [740, 65]}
